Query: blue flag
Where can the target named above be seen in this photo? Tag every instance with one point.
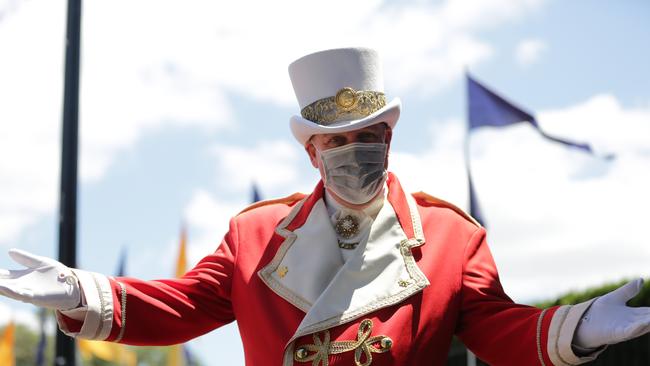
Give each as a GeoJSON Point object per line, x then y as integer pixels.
{"type": "Point", "coordinates": [255, 194]}
{"type": "Point", "coordinates": [189, 358]}
{"type": "Point", "coordinates": [42, 342]}
{"type": "Point", "coordinates": [486, 108]}
{"type": "Point", "coordinates": [121, 266]}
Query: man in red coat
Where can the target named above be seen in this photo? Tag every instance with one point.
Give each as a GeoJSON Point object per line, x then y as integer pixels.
{"type": "Point", "coordinates": [358, 272]}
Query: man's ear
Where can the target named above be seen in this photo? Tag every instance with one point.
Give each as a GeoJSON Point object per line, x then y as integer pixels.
{"type": "Point", "coordinates": [311, 151]}
{"type": "Point", "coordinates": [388, 136]}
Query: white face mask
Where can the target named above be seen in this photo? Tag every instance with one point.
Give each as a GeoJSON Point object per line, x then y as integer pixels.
{"type": "Point", "coordinates": [355, 172]}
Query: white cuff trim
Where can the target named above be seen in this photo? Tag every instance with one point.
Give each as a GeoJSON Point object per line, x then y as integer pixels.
{"type": "Point", "coordinates": [97, 314]}
{"type": "Point", "coordinates": [560, 335]}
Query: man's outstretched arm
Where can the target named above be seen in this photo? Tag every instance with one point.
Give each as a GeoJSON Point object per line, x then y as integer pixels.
{"type": "Point", "coordinates": [504, 333]}
{"type": "Point", "coordinates": [127, 310]}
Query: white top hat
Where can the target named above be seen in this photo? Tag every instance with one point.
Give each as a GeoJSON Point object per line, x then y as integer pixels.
{"type": "Point", "coordinates": [339, 90]}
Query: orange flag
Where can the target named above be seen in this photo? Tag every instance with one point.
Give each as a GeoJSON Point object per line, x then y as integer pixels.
{"type": "Point", "coordinates": [7, 357]}
{"type": "Point", "coordinates": [181, 263]}
{"type": "Point", "coordinates": [175, 355]}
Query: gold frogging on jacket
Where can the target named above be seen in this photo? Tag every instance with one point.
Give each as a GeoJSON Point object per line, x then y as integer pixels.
{"type": "Point", "coordinates": [347, 104]}
{"type": "Point", "coordinates": [364, 346]}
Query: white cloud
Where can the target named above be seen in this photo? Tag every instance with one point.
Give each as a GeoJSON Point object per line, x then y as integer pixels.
{"type": "Point", "coordinates": [248, 51]}
{"type": "Point", "coordinates": [208, 218]}
{"type": "Point", "coordinates": [278, 167]}
{"type": "Point", "coordinates": [558, 219]}
{"type": "Point", "coordinates": [602, 121]}
{"type": "Point", "coordinates": [120, 99]}
{"type": "Point", "coordinates": [529, 51]}
{"type": "Point", "coordinates": [30, 114]}
{"type": "Point", "coordinates": [439, 170]}
{"type": "Point", "coordinates": [274, 165]}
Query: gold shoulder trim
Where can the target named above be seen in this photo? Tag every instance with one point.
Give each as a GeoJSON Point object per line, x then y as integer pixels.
{"type": "Point", "coordinates": [442, 203]}
{"type": "Point", "coordinates": [285, 200]}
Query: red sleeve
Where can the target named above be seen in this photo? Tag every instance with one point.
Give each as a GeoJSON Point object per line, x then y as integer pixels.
{"type": "Point", "coordinates": [496, 329]}
{"type": "Point", "coordinates": [163, 312]}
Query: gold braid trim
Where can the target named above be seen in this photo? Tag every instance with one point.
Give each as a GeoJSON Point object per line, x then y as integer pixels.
{"type": "Point", "coordinates": [539, 337]}
{"type": "Point", "coordinates": [123, 308]}
{"type": "Point", "coordinates": [347, 104]}
{"type": "Point", "coordinates": [364, 345]}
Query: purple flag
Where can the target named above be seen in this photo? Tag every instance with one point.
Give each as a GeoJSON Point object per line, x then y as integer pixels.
{"type": "Point", "coordinates": [255, 194]}
{"type": "Point", "coordinates": [42, 342]}
{"type": "Point", "coordinates": [487, 108]}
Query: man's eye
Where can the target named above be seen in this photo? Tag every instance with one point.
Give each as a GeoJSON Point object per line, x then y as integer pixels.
{"type": "Point", "coordinates": [368, 137]}
{"type": "Point", "coordinates": [336, 141]}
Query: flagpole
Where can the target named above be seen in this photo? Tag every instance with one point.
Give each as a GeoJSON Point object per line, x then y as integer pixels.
{"type": "Point", "coordinates": [65, 346]}
{"type": "Point", "coordinates": [472, 201]}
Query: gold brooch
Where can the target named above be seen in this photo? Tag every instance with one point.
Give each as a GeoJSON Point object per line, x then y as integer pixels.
{"type": "Point", "coordinates": [347, 227]}
{"type": "Point", "coordinates": [346, 98]}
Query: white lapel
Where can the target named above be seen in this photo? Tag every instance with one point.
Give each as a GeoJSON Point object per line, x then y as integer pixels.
{"type": "Point", "coordinates": [307, 260]}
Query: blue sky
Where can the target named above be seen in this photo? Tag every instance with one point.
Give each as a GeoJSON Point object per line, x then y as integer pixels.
{"type": "Point", "coordinates": [183, 107]}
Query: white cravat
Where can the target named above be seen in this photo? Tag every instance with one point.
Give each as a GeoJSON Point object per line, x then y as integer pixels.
{"type": "Point", "coordinates": [365, 217]}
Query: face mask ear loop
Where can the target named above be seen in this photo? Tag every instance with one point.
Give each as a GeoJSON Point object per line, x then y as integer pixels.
{"type": "Point", "coordinates": [324, 166]}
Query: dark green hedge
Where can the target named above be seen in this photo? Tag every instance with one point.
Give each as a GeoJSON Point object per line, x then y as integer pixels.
{"type": "Point", "coordinates": [575, 297]}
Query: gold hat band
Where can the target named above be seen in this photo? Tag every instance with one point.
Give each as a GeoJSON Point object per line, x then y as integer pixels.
{"type": "Point", "coordinates": [347, 104]}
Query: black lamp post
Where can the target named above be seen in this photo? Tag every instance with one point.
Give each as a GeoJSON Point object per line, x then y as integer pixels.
{"type": "Point", "coordinates": [65, 346]}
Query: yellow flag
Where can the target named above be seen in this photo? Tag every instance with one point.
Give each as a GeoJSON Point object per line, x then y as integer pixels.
{"type": "Point", "coordinates": [181, 264]}
{"type": "Point", "coordinates": [7, 357]}
{"type": "Point", "coordinates": [175, 356]}
{"type": "Point", "coordinates": [113, 352]}
{"type": "Point", "coordinates": [90, 349]}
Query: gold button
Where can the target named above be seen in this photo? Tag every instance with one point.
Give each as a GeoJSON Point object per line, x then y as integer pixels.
{"type": "Point", "coordinates": [386, 343]}
{"type": "Point", "coordinates": [301, 354]}
{"type": "Point", "coordinates": [282, 271]}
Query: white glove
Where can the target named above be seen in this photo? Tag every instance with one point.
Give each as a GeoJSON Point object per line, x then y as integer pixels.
{"type": "Point", "coordinates": [608, 320]}
{"type": "Point", "coordinates": [45, 282]}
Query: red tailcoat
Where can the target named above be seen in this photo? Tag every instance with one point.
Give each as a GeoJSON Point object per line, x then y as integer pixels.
{"type": "Point", "coordinates": [423, 277]}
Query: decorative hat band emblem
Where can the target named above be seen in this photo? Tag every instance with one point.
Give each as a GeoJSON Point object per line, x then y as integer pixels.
{"type": "Point", "coordinates": [346, 105]}
{"type": "Point", "coordinates": [346, 98]}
